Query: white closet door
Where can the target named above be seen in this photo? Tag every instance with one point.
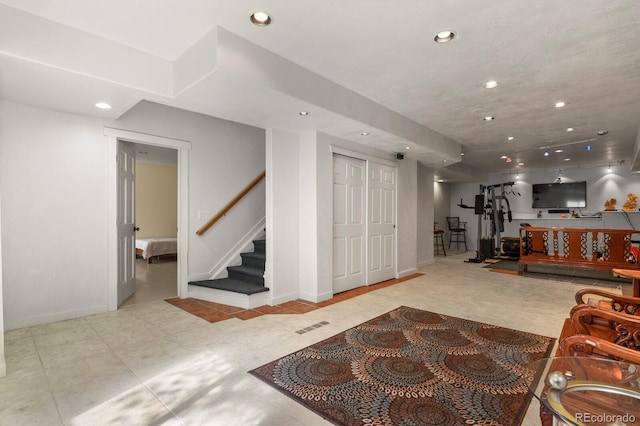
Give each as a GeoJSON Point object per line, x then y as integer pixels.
{"type": "Point", "coordinates": [348, 223]}
{"type": "Point", "coordinates": [381, 223]}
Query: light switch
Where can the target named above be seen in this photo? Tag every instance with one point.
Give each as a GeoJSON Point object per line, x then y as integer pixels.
{"type": "Point", "coordinates": [204, 214]}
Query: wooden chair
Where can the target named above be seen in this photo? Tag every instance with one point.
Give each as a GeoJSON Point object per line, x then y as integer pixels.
{"type": "Point", "coordinates": [602, 333]}
{"type": "Point", "coordinates": [614, 302]}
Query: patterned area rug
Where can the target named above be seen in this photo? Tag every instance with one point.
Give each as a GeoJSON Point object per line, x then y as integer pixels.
{"type": "Point", "coordinates": [413, 367]}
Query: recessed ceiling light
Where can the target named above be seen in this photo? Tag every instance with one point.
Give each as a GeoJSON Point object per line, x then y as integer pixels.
{"type": "Point", "coordinates": [407, 148]}
{"type": "Point", "coordinates": [560, 104]}
{"type": "Point", "coordinates": [444, 161]}
{"type": "Point", "coordinates": [559, 150]}
{"type": "Point", "coordinates": [304, 113]}
{"type": "Point", "coordinates": [546, 153]}
{"type": "Point", "coordinates": [570, 129]}
{"type": "Point", "coordinates": [488, 118]}
{"type": "Point", "coordinates": [490, 84]}
{"type": "Point", "coordinates": [364, 134]}
{"type": "Point", "coordinates": [261, 19]}
{"type": "Point", "coordinates": [602, 132]}
{"type": "Point", "coordinates": [566, 159]}
{"type": "Point", "coordinates": [503, 157]}
{"type": "Point", "coordinates": [520, 164]}
{"type": "Point", "coordinates": [462, 153]}
{"type": "Point", "coordinates": [510, 138]}
{"type": "Point", "coordinates": [444, 36]}
{"type": "Point", "coordinates": [103, 105]}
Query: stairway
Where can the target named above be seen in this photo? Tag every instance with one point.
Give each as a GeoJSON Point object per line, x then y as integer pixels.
{"type": "Point", "coordinates": [246, 279]}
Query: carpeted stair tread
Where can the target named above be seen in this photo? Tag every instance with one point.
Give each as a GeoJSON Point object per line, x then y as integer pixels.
{"type": "Point", "coordinates": [254, 255]}
{"type": "Point", "coordinates": [230, 284]}
{"type": "Point", "coordinates": [247, 270]}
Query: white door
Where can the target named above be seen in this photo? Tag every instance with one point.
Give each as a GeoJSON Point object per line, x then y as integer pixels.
{"type": "Point", "coordinates": [381, 223]}
{"type": "Point", "coordinates": [348, 223]}
{"type": "Point", "coordinates": [126, 222]}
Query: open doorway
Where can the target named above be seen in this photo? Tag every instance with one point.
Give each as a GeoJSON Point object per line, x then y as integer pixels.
{"type": "Point", "coordinates": [123, 146]}
{"type": "Point", "coordinates": [156, 223]}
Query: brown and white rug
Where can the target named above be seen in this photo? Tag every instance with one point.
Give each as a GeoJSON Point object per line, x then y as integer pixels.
{"type": "Point", "coordinates": [413, 367]}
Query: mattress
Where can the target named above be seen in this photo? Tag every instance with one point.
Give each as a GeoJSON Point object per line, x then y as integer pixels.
{"type": "Point", "coordinates": [150, 247]}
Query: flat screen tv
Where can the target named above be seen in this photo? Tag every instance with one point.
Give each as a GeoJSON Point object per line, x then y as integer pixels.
{"type": "Point", "coordinates": [559, 195]}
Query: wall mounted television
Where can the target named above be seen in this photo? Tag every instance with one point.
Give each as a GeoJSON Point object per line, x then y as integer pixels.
{"type": "Point", "coordinates": [559, 195]}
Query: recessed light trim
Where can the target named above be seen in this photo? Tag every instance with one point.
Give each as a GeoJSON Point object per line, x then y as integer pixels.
{"type": "Point", "coordinates": [103, 105]}
{"type": "Point", "coordinates": [261, 19]}
{"type": "Point", "coordinates": [570, 129]}
{"type": "Point", "coordinates": [444, 36]}
{"type": "Point", "coordinates": [489, 118]}
{"type": "Point", "coordinates": [602, 132]}
{"type": "Point", "coordinates": [491, 84]}
{"type": "Point", "coordinates": [304, 113]}
{"type": "Point", "coordinates": [521, 164]}
{"type": "Point", "coordinates": [407, 148]}
{"type": "Point", "coordinates": [510, 138]}
{"type": "Point", "coordinates": [364, 134]}
{"type": "Point", "coordinates": [559, 150]}
{"type": "Point", "coordinates": [502, 157]}
{"type": "Point", "coordinates": [546, 153]}
{"type": "Point", "coordinates": [566, 159]}
{"type": "Point", "coordinates": [560, 104]}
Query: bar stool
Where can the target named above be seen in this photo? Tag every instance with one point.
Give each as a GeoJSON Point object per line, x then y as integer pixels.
{"type": "Point", "coordinates": [457, 231]}
{"type": "Point", "coordinates": [438, 240]}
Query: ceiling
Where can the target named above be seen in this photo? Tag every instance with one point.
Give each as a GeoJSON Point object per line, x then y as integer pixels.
{"type": "Point", "coordinates": [357, 66]}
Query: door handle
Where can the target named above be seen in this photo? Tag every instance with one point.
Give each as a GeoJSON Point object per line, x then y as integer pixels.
{"type": "Point", "coordinates": [136, 228]}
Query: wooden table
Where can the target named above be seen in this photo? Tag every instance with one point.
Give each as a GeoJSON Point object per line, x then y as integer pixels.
{"type": "Point", "coordinates": [634, 275]}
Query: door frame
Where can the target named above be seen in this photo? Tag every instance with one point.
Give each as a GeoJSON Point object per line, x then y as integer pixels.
{"type": "Point", "coordinates": [368, 159]}
{"type": "Point", "coordinates": [112, 137]}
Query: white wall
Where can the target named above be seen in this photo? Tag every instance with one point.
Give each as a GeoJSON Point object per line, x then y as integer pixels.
{"type": "Point", "coordinates": [425, 215]}
{"type": "Point", "coordinates": [224, 158]}
{"type": "Point", "coordinates": [283, 216]}
{"type": "Point", "coordinates": [601, 186]}
{"type": "Point", "coordinates": [53, 184]}
{"type": "Point", "coordinates": [407, 223]}
{"type": "Point", "coordinates": [3, 364]}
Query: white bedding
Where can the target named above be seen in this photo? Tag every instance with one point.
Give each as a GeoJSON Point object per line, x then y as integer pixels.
{"type": "Point", "coordinates": [157, 246]}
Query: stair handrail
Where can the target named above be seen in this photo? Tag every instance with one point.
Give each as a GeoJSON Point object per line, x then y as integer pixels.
{"type": "Point", "coordinates": [230, 205]}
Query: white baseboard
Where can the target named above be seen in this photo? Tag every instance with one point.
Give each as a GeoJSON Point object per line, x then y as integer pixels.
{"type": "Point", "coordinates": [316, 298]}
{"type": "Point", "coordinates": [426, 262]}
{"type": "Point", "coordinates": [285, 298]}
{"type": "Point", "coordinates": [58, 316]}
{"type": "Point", "coordinates": [406, 272]}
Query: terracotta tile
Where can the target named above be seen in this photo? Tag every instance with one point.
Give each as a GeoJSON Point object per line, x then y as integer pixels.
{"type": "Point", "coordinates": [301, 308]}
{"type": "Point", "coordinates": [289, 305]}
{"type": "Point", "coordinates": [270, 309]}
{"type": "Point", "coordinates": [245, 315]}
{"type": "Point", "coordinates": [215, 316]}
{"type": "Point", "coordinates": [222, 308]}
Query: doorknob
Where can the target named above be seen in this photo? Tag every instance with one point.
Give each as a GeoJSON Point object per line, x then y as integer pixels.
{"type": "Point", "coordinates": [136, 228]}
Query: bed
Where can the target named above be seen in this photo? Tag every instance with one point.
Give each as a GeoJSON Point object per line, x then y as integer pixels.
{"type": "Point", "coordinates": [149, 248]}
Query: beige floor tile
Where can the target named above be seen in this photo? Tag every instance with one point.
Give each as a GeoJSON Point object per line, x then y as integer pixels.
{"type": "Point", "coordinates": [152, 363]}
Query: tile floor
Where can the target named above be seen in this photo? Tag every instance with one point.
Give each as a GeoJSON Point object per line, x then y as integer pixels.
{"type": "Point", "coordinates": [154, 363]}
{"type": "Point", "coordinates": [154, 281]}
